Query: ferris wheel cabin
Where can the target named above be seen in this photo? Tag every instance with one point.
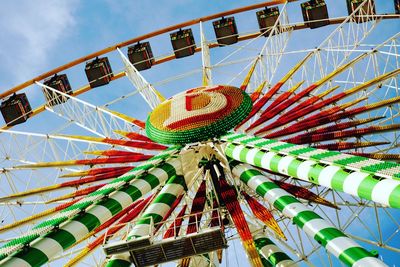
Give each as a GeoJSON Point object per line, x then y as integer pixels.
{"type": "Point", "coordinates": [59, 83]}
{"type": "Point", "coordinates": [183, 43]}
{"type": "Point", "coordinates": [316, 11]}
{"type": "Point", "coordinates": [98, 72]}
{"type": "Point", "coordinates": [364, 13]}
{"type": "Point", "coordinates": [267, 18]}
{"type": "Point", "coordinates": [16, 109]}
{"type": "Point", "coordinates": [226, 31]}
{"type": "Point", "coordinates": [141, 56]}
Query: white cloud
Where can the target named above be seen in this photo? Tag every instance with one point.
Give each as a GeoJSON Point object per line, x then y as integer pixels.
{"type": "Point", "coordinates": [29, 30]}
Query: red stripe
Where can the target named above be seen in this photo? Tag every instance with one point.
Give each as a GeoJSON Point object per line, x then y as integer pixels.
{"type": "Point", "coordinates": [175, 227]}
{"type": "Point", "coordinates": [260, 103]}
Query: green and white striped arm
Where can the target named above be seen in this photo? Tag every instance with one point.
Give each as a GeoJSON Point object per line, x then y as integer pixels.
{"type": "Point", "coordinates": [68, 213]}
{"type": "Point", "coordinates": [331, 238]}
{"type": "Point", "coordinates": [56, 241]}
{"type": "Point", "coordinates": [272, 253]}
{"type": "Point", "coordinates": [359, 184]}
{"type": "Point", "coordinates": [154, 214]}
{"type": "Point", "coordinates": [379, 168]}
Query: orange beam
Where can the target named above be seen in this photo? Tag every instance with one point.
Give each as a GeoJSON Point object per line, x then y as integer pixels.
{"type": "Point", "coordinates": [137, 39]}
{"type": "Point", "coordinates": [168, 29]}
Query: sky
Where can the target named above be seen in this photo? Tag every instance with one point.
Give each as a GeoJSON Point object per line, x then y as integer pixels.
{"type": "Point", "coordinates": [37, 36]}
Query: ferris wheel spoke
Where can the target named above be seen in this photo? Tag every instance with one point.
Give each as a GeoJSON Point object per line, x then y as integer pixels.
{"type": "Point", "coordinates": [332, 115]}
{"type": "Point", "coordinates": [277, 40]}
{"type": "Point", "coordinates": [97, 120]}
{"type": "Point", "coordinates": [263, 214]}
{"type": "Point", "coordinates": [69, 184]}
{"type": "Point", "coordinates": [205, 58]}
{"type": "Point", "coordinates": [148, 92]}
{"type": "Point", "coordinates": [37, 216]}
{"type": "Point", "coordinates": [119, 142]}
{"type": "Point", "coordinates": [286, 118]}
{"type": "Point", "coordinates": [272, 91]}
{"type": "Point", "coordinates": [349, 35]}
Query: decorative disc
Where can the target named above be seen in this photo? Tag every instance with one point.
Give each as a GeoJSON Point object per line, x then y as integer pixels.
{"type": "Point", "coordinates": [198, 114]}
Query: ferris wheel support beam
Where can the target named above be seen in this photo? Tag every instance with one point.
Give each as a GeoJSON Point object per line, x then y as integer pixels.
{"type": "Point", "coordinates": [335, 241]}
{"type": "Point", "coordinates": [205, 58]}
{"type": "Point", "coordinates": [348, 34]}
{"type": "Point", "coordinates": [276, 43]}
{"type": "Point", "coordinates": [28, 147]}
{"type": "Point", "coordinates": [95, 119]}
{"type": "Point", "coordinates": [148, 92]}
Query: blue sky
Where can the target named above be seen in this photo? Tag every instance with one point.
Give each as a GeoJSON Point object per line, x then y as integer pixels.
{"type": "Point", "coordinates": [40, 35]}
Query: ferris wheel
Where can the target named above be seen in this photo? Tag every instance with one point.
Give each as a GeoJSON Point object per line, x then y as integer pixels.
{"type": "Point", "coordinates": [265, 135]}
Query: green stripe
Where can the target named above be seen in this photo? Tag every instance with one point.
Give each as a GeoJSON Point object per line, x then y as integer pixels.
{"type": "Point", "coordinates": [89, 220]}
{"type": "Point", "coordinates": [274, 163]}
{"type": "Point", "coordinates": [248, 174]}
{"type": "Point", "coordinates": [132, 191]}
{"type": "Point", "coordinates": [249, 140]}
{"type": "Point", "coordinates": [243, 154]}
{"type": "Point", "coordinates": [258, 157]}
{"type": "Point", "coordinates": [151, 179]}
{"type": "Point", "coordinates": [165, 198]}
{"type": "Point", "coordinates": [379, 166]}
{"type": "Point", "coordinates": [338, 180]}
{"type": "Point", "coordinates": [177, 179]}
{"type": "Point", "coordinates": [283, 146]}
{"type": "Point", "coordinates": [62, 237]}
{"type": "Point", "coordinates": [264, 143]}
{"type": "Point", "coordinates": [354, 254]}
{"type": "Point", "coordinates": [293, 166]}
{"type": "Point", "coordinates": [366, 186]}
{"type": "Point", "coordinates": [302, 151]}
{"type": "Point", "coordinates": [314, 173]}
{"type": "Point", "coordinates": [169, 169]}
{"type": "Point", "coordinates": [112, 205]}
{"type": "Point", "coordinates": [262, 242]}
{"type": "Point", "coordinates": [237, 136]}
{"type": "Point", "coordinates": [229, 150]}
{"type": "Point", "coordinates": [327, 234]}
{"type": "Point", "coordinates": [283, 201]}
{"type": "Point", "coordinates": [305, 216]}
{"type": "Point", "coordinates": [33, 256]}
{"type": "Point", "coordinates": [118, 263]}
{"type": "Point", "coordinates": [265, 262]}
{"type": "Point", "coordinates": [263, 188]}
{"type": "Point", "coordinates": [146, 219]}
{"type": "Point", "coordinates": [325, 155]}
{"type": "Point", "coordinates": [277, 257]}
{"type": "Point", "coordinates": [347, 161]}
{"type": "Point", "coordinates": [394, 198]}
